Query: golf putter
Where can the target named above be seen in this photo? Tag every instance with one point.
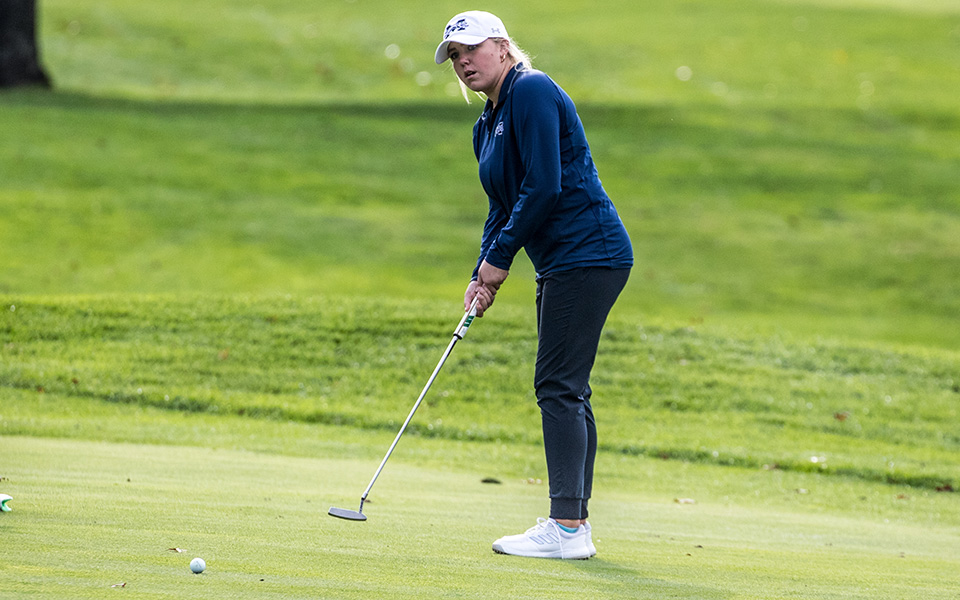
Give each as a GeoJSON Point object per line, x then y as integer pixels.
{"type": "Point", "coordinates": [357, 515]}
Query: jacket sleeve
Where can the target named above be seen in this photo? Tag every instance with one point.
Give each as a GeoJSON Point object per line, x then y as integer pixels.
{"type": "Point", "coordinates": [536, 120]}
{"type": "Point", "coordinates": [496, 219]}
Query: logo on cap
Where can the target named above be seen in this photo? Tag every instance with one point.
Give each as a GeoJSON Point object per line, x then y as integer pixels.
{"type": "Point", "coordinates": [460, 25]}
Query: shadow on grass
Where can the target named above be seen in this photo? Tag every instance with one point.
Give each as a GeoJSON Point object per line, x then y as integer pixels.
{"type": "Point", "coordinates": [818, 154]}
{"type": "Point", "coordinates": [611, 579]}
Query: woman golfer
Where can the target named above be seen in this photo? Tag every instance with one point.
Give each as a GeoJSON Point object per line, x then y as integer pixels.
{"type": "Point", "coordinates": [545, 197]}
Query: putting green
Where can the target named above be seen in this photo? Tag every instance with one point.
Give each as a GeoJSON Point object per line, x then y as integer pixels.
{"type": "Point", "coordinates": [92, 515]}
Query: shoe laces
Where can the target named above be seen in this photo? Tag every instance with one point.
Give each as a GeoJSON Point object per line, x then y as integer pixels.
{"type": "Point", "coordinates": [540, 526]}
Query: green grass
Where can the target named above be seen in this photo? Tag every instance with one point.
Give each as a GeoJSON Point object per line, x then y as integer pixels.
{"type": "Point", "coordinates": [683, 393]}
{"type": "Point", "coordinates": [115, 510]}
{"type": "Point", "coordinates": [813, 187]}
{"type": "Point", "coordinates": [187, 198]}
{"type": "Point", "coordinates": [227, 426]}
{"type": "Point", "coordinates": [235, 236]}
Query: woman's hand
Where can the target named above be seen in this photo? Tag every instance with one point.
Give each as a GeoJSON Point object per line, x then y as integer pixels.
{"type": "Point", "coordinates": [475, 290]}
{"type": "Point", "coordinates": [491, 277]}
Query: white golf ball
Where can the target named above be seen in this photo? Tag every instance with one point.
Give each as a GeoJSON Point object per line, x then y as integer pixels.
{"type": "Point", "coordinates": [197, 565]}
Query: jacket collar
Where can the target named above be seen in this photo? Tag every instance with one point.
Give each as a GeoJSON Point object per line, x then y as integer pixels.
{"type": "Point", "coordinates": [505, 88]}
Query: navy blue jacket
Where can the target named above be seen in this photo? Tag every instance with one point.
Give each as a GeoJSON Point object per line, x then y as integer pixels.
{"type": "Point", "coordinates": [544, 191]}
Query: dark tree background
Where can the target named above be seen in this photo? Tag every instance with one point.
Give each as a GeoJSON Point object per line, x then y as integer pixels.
{"type": "Point", "coordinates": [19, 59]}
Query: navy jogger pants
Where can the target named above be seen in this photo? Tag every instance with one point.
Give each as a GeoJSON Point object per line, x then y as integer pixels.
{"type": "Point", "coordinates": [572, 307]}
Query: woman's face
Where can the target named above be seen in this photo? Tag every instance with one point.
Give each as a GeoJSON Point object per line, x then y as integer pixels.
{"type": "Point", "coordinates": [479, 67]}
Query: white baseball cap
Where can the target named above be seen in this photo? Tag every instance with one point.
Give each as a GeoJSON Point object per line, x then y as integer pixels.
{"type": "Point", "coordinates": [470, 28]}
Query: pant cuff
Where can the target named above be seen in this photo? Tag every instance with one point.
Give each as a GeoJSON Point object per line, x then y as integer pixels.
{"type": "Point", "coordinates": [566, 508]}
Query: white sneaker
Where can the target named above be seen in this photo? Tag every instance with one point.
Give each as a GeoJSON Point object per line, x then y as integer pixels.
{"type": "Point", "coordinates": [547, 540]}
{"type": "Point", "coordinates": [590, 546]}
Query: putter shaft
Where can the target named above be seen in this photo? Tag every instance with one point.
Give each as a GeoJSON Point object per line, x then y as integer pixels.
{"type": "Point", "coordinates": [458, 334]}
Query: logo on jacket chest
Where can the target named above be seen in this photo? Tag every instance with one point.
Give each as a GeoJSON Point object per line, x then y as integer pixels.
{"type": "Point", "coordinates": [498, 130]}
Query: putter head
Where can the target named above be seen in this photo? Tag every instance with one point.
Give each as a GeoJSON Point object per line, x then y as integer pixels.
{"type": "Point", "coordinates": [3, 502]}
{"type": "Point", "coordinates": [350, 515]}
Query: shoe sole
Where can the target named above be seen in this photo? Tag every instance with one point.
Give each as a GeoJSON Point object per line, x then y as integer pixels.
{"type": "Point", "coordinates": [544, 556]}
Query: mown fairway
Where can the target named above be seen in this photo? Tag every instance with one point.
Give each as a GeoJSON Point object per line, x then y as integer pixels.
{"type": "Point", "coordinates": [233, 242]}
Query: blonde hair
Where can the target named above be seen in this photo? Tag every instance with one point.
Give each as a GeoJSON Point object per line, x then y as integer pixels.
{"type": "Point", "coordinates": [516, 54]}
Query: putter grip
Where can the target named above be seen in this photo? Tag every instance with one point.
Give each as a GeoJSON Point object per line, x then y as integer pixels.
{"type": "Point", "coordinates": [467, 320]}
